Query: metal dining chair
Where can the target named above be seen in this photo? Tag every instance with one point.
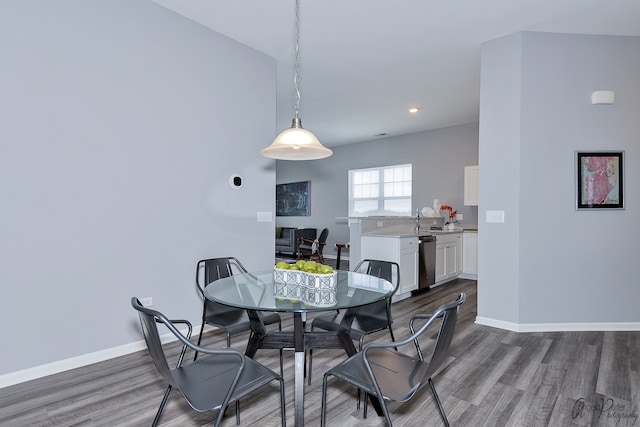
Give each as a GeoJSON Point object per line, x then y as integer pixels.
{"type": "Point", "coordinates": [370, 318]}
{"type": "Point", "coordinates": [391, 375]}
{"type": "Point", "coordinates": [212, 383]}
{"type": "Point", "coordinates": [232, 320]}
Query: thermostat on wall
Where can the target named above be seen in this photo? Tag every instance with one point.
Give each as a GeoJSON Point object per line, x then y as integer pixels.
{"type": "Point", "coordinates": [235, 181]}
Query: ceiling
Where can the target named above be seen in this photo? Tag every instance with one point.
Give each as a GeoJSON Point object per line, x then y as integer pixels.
{"type": "Point", "coordinates": [363, 63]}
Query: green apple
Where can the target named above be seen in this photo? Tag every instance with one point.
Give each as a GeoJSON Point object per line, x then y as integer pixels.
{"type": "Point", "coordinates": [293, 267]}
{"type": "Point", "coordinates": [300, 264]}
{"type": "Point", "coordinates": [326, 269]}
{"type": "Point", "coordinates": [282, 265]}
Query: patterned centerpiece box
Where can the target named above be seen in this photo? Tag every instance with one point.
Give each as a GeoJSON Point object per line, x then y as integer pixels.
{"type": "Point", "coordinates": [310, 288]}
{"type": "Point", "coordinates": [289, 283]}
{"type": "Point", "coordinates": [321, 289]}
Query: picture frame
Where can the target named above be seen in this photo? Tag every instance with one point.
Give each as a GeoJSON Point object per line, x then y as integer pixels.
{"type": "Point", "coordinates": [599, 180]}
{"type": "Point", "coordinates": [293, 199]}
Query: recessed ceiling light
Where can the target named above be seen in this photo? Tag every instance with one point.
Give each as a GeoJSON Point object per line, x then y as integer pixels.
{"type": "Point", "coordinates": [414, 110]}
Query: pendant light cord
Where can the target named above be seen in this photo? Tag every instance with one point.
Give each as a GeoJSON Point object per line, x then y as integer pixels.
{"type": "Point", "coordinates": [296, 143]}
{"type": "Point", "coordinates": [296, 77]}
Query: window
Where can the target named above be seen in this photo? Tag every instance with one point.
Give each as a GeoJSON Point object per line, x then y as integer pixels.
{"type": "Point", "coordinates": [380, 191]}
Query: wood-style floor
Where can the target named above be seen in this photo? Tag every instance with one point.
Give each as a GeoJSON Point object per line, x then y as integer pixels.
{"type": "Point", "coordinates": [493, 378]}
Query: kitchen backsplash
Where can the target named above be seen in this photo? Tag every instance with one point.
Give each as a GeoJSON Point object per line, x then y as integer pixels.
{"type": "Point", "coordinates": [397, 224]}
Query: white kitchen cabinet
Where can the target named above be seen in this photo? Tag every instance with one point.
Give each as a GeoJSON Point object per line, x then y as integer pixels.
{"type": "Point", "coordinates": [469, 255]}
{"type": "Point", "coordinates": [471, 185]}
{"type": "Point", "coordinates": [448, 256]}
{"type": "Point", "coordinates": [403, 250]}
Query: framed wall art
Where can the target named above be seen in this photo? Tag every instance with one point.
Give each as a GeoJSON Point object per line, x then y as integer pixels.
{"type": "Point", "coordinates": [293, 199]}
{"type": "Point", "coordinates": [600, 180]}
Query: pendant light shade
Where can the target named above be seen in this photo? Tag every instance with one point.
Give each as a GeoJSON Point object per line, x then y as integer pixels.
{"type": "Point", "coordinates": [296, 143]}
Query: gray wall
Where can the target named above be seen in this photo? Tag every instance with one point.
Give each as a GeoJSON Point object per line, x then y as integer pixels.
{"type": "Point", "coordinates": [120, 125]}
{"type": "Point", "coordinates": [438, 158]}
{"type": "Point", "coordinates": [549, 263]}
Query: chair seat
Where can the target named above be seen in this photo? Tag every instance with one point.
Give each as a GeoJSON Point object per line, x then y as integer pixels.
{"type": "Point", "coordinates": [200, 382]}
{"type": "Point", "coordinates": [361, 326]}
{"type": "Point", "coordinates": [398, 375]}
{"type": "Point", "coordinates": [237, 321]}
{"type": "Point", "coordinates": [269, 318]}
{"type": "Point", "coordinates": [231, 324]}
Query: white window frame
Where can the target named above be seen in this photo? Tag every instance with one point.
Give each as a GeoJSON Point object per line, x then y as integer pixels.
{"type": "Point", "coordinates": [372, 185]}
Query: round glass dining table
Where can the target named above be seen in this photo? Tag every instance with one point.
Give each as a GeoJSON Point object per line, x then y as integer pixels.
{"type": "Point", "coordinates": [259, 291]}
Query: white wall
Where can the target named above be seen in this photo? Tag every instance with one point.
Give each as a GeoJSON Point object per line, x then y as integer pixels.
{"type": "Point", "coordinates": [438, 158]}
{"type": "Point", "coordinates": [549, 265]}
{"type": "Point", "coordinates": [120, 125]}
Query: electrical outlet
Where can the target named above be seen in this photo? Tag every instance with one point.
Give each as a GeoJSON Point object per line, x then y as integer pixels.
{"type": "Point", "coordinates": [147, 301]}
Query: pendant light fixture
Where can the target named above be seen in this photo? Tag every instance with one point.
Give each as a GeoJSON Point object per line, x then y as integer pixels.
{"type": "Point", "coordinates": [296, 143]}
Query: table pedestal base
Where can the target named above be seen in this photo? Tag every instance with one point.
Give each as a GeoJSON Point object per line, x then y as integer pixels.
{"type": "Point", "coordinates": [300, 340]}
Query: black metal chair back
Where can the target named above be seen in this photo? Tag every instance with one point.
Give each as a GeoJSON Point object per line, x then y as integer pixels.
{"type": "Point", "coordinates": [215, 269]}
{"type": "Point", "coordinates": [392, 375]}
{"type": "Point", "coordinates": [212, 383]}
{"type": "Point", "coordinates": [369, 318]}
{"type": "Point", "coordinates": [389, 271]}
{"type": "Point", "coordinates": [232, 320]}
{"type": "Point", "coordinates": [154, 344]}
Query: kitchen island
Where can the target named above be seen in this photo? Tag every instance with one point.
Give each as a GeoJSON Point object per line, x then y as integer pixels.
{"type": "Point", "coordinates": [402, 249]}
{"type": "Point", "coordinates": [398, 239]}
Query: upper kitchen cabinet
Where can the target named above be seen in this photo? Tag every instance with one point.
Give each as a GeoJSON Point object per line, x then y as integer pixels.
{"type": "Point", "coordinates": [471, 185]}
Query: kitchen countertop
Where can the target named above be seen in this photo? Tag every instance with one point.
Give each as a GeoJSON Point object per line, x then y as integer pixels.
{"type": "Point", "coordinates": [396, 234]}
{"type": "Point", "coordinates": [421, 234]}
{"type": "Point", "coordinates": [436, 232]}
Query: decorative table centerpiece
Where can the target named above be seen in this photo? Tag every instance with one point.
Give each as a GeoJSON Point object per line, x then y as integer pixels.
{"type": "Point", "coordinates": [307, 281]}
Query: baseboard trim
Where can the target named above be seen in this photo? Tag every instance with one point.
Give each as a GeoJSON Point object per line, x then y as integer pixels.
{"type": "Point", "coordinates": [36, 372]}
{"type": "Point", "coordinates": [558, 327]}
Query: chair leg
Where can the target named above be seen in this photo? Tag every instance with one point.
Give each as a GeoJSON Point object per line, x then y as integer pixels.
{"type": "Point", "coordinates": [323, 407]}
{"type": "Point", "coordinates": [282, 405]}
{"type": "Point", "coordinates": [383, 406]}
{"type": "Point", "coordinates": [310, 366]}
{"type": "Point", "coordinates": [358, 399]}
{"type": "Point", "coordinates": [366, 404]}
{"type": "Point", "coordinates": [310, 362]}
{"type": "Point", "coordinates": [195, 357]}
{"type": "Point", "coordinates": [237, 412]}
{"type": "Point", "coordinates": [161, 408]}
{"type": "Point", "coordinates": [435, 395]}
{"type": "Point", "coordinates": [281, 354]}
{"type": "Point", "coordinates": [393, 339]}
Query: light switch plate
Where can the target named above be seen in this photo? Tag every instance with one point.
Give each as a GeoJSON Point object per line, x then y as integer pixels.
{"type": "Point", "coordinates": [495, 216]}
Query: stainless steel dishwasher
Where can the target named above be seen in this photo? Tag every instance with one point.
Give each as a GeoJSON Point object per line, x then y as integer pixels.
{"type": "Point", "coordinates": [427, 262]}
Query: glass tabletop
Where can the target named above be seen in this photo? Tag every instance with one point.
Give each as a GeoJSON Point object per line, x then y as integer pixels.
{"type": "Point", "coordinates": [268, 291]}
